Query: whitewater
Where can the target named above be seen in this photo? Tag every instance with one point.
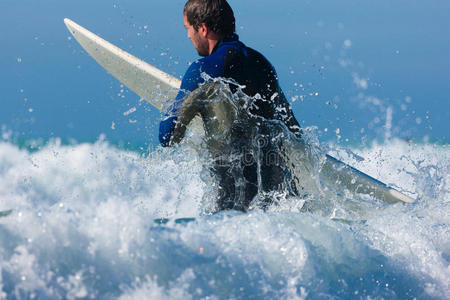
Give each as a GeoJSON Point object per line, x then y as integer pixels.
{"type": "Point", "coordinates": [77, 221]}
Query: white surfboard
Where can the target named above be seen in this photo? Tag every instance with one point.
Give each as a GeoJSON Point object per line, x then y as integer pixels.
{"type": "Point", "coordinates": [148, 82]}
{"type": "Point", "coordinates": [158, 87]}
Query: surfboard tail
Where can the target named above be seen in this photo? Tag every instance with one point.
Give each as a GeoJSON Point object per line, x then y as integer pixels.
{"type": "Point", "coordinates": [341, 174]}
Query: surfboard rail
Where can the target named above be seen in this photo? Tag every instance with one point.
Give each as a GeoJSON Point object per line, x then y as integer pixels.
{"type": "Point", "coordinates": [149, 82]}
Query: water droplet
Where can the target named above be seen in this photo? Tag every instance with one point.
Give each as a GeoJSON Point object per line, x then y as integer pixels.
{"type": "Point", "coordinates": [347, 43]}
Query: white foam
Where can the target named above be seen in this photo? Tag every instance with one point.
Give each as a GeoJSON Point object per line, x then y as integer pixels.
{"type": "Point", "coordinates": [82, 227]}
{"type": "Point", "coordinates": [421, 171]}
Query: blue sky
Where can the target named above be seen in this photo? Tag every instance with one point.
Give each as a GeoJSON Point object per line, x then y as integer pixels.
{"type": "Point", "coordinates": [351, 67]}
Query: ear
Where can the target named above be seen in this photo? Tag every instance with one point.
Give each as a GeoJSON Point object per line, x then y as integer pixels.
{"type": "Point", "coordinates": [203, 30]}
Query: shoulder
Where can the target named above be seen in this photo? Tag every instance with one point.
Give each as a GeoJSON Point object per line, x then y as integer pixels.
{"type": "Point", "coordinates": [209, 63]}
{"type": "Point", "coordinates": [192, 77]}
{"type": "Point", "coordinates": [211, 66]}
{"type": "Point", "coordinates": [252, 57]}
{"type": "Point", "coordinates": [260, 58]}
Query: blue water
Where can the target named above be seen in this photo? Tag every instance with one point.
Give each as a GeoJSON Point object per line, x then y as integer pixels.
{"type": "Point", "coordinates": [81, 182]}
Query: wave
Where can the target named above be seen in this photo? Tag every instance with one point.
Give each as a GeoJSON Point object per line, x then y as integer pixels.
{"type": "Point", "coordinates": [77, 221]}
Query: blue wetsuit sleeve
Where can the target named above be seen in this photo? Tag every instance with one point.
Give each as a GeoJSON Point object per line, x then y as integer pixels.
{"type": "Point", "coordinates": [166, 128]}
{"type": "Point", "coordinates": [191, 80]}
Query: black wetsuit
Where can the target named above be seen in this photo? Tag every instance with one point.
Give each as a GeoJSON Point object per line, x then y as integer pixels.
{"type": "Point", "coordinates": [258, 170]}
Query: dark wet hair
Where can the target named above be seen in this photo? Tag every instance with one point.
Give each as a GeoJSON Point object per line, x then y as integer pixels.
{"type": "Point", "coordinates": [216, 14]}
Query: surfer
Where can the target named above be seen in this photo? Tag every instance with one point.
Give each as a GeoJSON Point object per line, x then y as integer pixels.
{"type": "Point", "coordinates": [236, 92]}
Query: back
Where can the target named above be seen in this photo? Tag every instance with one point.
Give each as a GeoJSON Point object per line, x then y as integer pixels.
{"type": "Point", "coordinates": [251, 69]}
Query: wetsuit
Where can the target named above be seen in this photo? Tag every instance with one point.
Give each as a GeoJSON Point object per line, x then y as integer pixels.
{"type": "Point", "coordinates": [239, 182]}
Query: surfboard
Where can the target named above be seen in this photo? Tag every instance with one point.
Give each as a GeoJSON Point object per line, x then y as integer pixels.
{"type": "Point", "coordinates": [163, 221]}
{"type": "Point", "coordinates": [158, 87]}
{"type": "Point", "coordinates": [5, 213]}
{"type": "Point", "coordinates": [150, 83]}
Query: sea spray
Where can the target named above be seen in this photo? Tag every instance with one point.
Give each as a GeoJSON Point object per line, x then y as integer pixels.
{"type": "Point", "coordinates": [82, 226]}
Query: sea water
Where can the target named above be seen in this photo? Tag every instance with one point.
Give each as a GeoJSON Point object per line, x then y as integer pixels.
{"type": "Point", "coordinates": [78, 222]}
{"type": "Point", "coordinates": [77, 218]}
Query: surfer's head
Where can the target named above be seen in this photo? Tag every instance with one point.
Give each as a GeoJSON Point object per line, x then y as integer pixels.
{"type": "Point", "coordinates": [208, 21]}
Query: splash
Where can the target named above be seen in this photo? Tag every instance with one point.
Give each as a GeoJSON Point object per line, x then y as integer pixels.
{"type": "Point", "coordinates": [79, 224]}
{"type": "Point", "coordinates": [259, 157]}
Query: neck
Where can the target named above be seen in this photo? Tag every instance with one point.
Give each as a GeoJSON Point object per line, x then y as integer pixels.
{"type": "Point", "coordinates": [213, 40]}
{"type": "Point", "coordinates": [212, 44]}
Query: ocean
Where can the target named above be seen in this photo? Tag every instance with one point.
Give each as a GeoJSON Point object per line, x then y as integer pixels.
{"type": "Point", "coordinates": [78, 222]}
{"type": "Point", "coordinates": [82, 178]}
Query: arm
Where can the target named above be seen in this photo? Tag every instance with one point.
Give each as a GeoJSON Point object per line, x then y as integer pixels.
{"type": "Point", "coordinates": [191, 81]}
{"type": "Point", "coordinates": [191, 107]}
{"type": "Point", "coordinates": [188, 110]}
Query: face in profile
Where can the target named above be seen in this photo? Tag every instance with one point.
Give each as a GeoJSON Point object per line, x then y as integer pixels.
{"type": "Point", "coordinates": [197, 37]}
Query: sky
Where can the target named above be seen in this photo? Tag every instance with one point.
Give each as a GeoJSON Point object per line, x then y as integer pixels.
{"type": "Point", "coordinates": [355, 71]}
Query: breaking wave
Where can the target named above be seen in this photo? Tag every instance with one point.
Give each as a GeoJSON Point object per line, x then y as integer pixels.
{"type": "Point", "coordinates": [77, 221]}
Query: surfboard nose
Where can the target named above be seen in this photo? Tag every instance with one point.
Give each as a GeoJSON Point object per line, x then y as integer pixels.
{"type": "Point", "coordinates": [71, 25]}
{"type": "Point", "coordinates": [67, 21]}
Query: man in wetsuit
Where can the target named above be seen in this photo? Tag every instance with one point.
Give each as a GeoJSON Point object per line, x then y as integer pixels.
{"type": "Point", "coordinates": [211, 27]}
